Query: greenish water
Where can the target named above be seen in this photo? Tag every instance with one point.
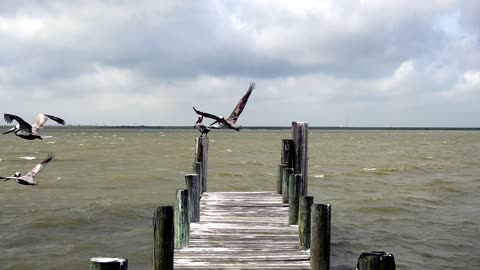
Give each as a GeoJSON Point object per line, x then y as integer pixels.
{"type": "Point", "coordinates": [412, 193]}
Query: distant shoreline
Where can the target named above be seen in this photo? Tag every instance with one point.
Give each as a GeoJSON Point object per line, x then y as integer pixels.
{"type": "Point", "coordinates": [263, 127]}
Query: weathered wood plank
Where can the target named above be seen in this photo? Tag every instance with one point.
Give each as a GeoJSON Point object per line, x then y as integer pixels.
{"type": "Point", "coordinates": [242, 230]}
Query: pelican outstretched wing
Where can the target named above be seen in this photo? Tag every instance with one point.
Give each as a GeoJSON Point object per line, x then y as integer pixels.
{"type": "Point", "coordinates": [23, 125]}
{"type": "Point", "coordinates": [208, 115]}
{"type": "Point", "coordinates": [39, 167]}
{"type": "Point", "coordinates": [241, 104]}
{"type": "Point", "coordinates": [42, 118]}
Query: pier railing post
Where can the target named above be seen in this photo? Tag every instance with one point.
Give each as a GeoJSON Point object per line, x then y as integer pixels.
{"type": "Point", "coordinates": [320, 237]}
{"type": "Point", "coordinates": [108, 264]}
{"type": "Point", "coordinates": [281, 167]}
{"type": "Point", "coordinates": [163, 238]}
{"type": "Point", "coordinates": [193, 185]}
{"type": "Point", "coordinates": [198, 169]}
{"type": "Point", "coordinates": [288, 153]}
{"type": "Point", "coordinates": [285, 178]}
{"type": "Point", "coordinates": [376, 260]}
{"type": "Point", "coordinates": [201, 155]}
{"type": "Point", "coordinates": [294, 187]}
{"type": "Point", "coordinates": [182, 219]}
{"type": "Point", "coordinates": [304, 216]}
{"type": "Point", "coordinates": [300, 160]}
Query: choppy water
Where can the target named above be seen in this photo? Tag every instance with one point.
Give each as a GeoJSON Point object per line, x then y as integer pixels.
{"type": "Point", "coordinates": [412, 193]}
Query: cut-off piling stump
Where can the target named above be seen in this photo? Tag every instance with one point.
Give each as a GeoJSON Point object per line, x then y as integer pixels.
{"type": "Point", "coordinates": [376, 260]}
{"type": "Point", "coordinates": [101, 263]}
{"type": "Point", "coordinates": [163, 238]}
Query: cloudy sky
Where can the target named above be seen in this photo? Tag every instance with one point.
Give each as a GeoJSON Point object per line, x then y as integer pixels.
{"type": "Point", "coordinates": [330, 63]}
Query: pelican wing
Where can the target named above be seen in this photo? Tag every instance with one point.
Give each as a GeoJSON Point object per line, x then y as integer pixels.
{"type": "Point", "coordinates": [39, 167]}
{"type": "Point", "coordinates": [23, 125]}
{"type": "Point", "coordinates": [41, 119]}
{"type": "Point", "coordinates": [241, 104]}
{"type": "Point", "coordinates": [208, 115]}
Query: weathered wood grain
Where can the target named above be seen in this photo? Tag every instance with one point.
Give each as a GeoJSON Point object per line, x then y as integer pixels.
{"type": "Point", "coordinates": [242, 230]}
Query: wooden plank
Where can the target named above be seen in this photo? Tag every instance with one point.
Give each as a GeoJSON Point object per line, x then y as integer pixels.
{"type": "Point", "coordinates": [243, 230]}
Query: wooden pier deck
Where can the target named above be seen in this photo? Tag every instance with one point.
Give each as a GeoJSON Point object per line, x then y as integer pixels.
{"type": "Point", "coordinates": [242, 230]}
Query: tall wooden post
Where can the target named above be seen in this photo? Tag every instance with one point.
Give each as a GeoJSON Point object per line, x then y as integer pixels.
{"type": "Point", "coordinates": [304, 216]}
{"type": "Point", "coordinates": [376, 260]}
{"type": "Point", "coordinates": [201, 155]}
{"type": "Point", "coordinates": [193, 185]}
{"type": "Point", "coordinates": [108, 264]}
{"type": "Point", "coordinates": [300, 142]}
{"type": "Point", "coordinates": [286, 176]}
{"type": "Point", "coordinates": [320, 237]}
{"type": "Point", "coordinates": [163, 238]}
{"type": "Point", "coordinates": [198, 169]}
{"type": "Point", "coordinates": [182, 218]}
{"type": "Point", "coordinates": [294, 187]}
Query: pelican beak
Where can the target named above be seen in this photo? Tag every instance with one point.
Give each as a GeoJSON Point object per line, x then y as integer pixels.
{"type": "Point", "coordinates": [9, 131]}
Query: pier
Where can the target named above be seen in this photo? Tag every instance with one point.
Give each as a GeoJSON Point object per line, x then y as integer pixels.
{"type": "Point", "coordinates": [282, 229]}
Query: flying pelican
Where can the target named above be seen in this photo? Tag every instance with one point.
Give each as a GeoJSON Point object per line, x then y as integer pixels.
{"type": "Point", "coordinates": [25, 130]}
{"type": "Point", "coordinates": [231, 121]}
{"type": "Point", "coordinates": [29, 179]}
{"type": "Point", "coordinates": [201, 127]}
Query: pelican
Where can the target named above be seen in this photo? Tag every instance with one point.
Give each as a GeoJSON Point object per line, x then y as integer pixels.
{"type": "Point", "coordinates": [29, 179]}
{"type": "Point", "coordinates": [25, 130]}
{"type": "Point", "coordinates": [231, 121]}
{"type": "Point", "coordinates": [201, 127]}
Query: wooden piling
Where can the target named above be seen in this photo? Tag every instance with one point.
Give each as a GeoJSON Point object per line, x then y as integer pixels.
{"type": "Point", "coordinates": [304, 216]}
{"type": "Point", "coordinates": [300, 142]}
{"type": "Point", "coordinates": [108, 264]}
{"type": "Point", "coordinates": [285, 178]}
{"type": "Point", "coordinates": [376, 260]}
{"type": "Point", "coordinates": [281, 167]}
{"type": "Point", "coordinates": [193, 185]}
{"type": "Point", "coordinates": [198, 169]}
{"type": "Point", "coordinates": [182, 219]}
{"type": "Point", "coordinates": [320, 237]}
{"type": "Point", "coordinates": [287, 153]}
{"type": "Point", "coordinates": [294, 187]}
{"type": "Point", "coordinates": [163, 238]}
{"type": "Point", "coordinates": [201, 155]}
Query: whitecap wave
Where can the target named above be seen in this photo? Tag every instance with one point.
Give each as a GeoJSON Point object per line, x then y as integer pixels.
{"type": "Point", "coordinates": [369, 169]}
{"type": "Point", "coordinates": [28, 158]}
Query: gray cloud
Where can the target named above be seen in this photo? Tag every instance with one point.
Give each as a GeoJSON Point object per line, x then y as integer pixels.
{"type": "Point", "coordinates": [373, 62]}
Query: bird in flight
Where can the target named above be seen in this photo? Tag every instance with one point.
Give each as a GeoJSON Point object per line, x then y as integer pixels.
{"type": "Point", "coordinates": [25, 130]}
{"type": "Point", "coordinates": [29, 178]}
{"type": "Point", "coordinates": [222, 122]}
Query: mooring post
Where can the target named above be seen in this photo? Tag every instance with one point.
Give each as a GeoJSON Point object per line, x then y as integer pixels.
{"type": "Point", "coordinates": [285, 178]}
{"type": "Point", "coordinates": [300, 142]}
{"type": "Point", "coordinates": [376, 260]}
{"type": "Point", "coordinates": [163, 238]}
{"type": "Point", "coordinates": [304, 216]}
{"type": "Point", "coordinates": [108, 264]}
{"type": "Point", "coordinates": [198, 169]}
{"type": "Point", "coordinates": [193, 185]}
{"type": "Point", "coordinates": [201, 155]}
{"type": "Point", "coordinates": [182, 219]}
{"type": "Point", "coordinates": [288, 152]}
{"type": "Point", "coordinates": [320, 237]}
{"type": "Point", "coordinates": [294, 187]}
{"type": "Point", "coordinates": [281, 167]}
